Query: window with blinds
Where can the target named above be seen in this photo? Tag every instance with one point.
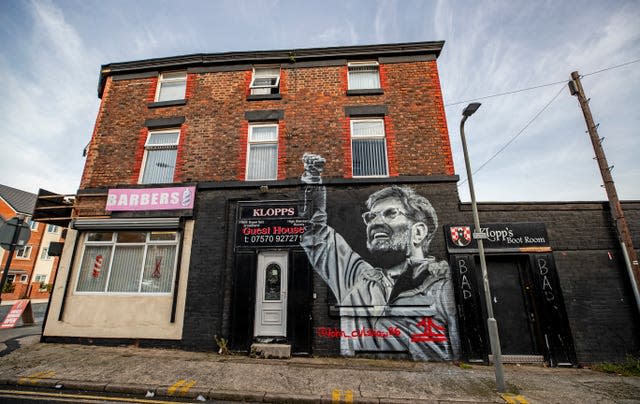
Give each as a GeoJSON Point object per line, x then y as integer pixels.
{"type": "Point", "coordinates": [262, 155]}
{"type": "Point", "coordinates": [266, 80]}
{"type": "Point", "coordinates": [161, 150]}
{"type": "Point", "coordinates": [128, 262]}
{"type": "Point", "coordinates": [171, 86]}
{"type": "Point", "coordinates": [368, 148]}
{"type": "Point", "coordinates": [364, 75]}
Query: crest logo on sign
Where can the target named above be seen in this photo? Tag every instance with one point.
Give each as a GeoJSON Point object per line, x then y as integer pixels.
{"type": "Point", "coordinates": [461, 235]}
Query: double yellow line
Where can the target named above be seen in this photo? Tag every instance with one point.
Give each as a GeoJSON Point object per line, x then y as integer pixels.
{"type": "Point", "coordinates": [513, 398]}
{"type": "Point", "coordinates": [34, 378]}
{"type": "Point", "coordinates": [336, 396]}
{"type": "Point", "coordinates": [181, 387]}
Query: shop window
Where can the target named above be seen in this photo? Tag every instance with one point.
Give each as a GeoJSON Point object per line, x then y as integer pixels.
{"type": "Point", "coordinates": [368, 148]}
{"type": "Point", "coordinates": [128, 262]}
{"type": "Point", "coordinates": [171, 86]}
{"type": "Point", "coordinates": [24, 252]}
{"type": "Point", "coordinates": [160, 152]}
{"type": "Point", "coordinates": [266, 80]}
{"type": "Point", "coordinates": [262, 156]}
{"type": "Point", "coordinates": [364, 76]}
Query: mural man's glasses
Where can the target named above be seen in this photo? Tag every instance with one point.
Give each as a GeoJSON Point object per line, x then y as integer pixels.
{"type": "Point", "coordinates": [387, 215]}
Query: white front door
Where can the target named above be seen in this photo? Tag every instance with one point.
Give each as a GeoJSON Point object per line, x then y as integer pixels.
{"type": "Point", "coordinates": [271, 295]}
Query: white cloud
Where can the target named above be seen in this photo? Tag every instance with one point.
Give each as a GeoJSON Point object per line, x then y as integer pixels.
{"type": "Point", "coordinates": [50, 109]}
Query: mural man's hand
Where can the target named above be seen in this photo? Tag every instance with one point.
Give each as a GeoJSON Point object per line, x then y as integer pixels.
{"type": "Point", "coordinates": [313, 167]}
{"type": "Point", "coordinates": [312, 175]}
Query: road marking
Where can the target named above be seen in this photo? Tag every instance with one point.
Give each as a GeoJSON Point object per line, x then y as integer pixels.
{"type": "Point", "coordinates": [35, 377]}
{"type": "Point", "coordinates": [513, 398]}
{"type": "Point", "coordinates": [181, 386]}
{"type": "Point", "coordinates": [348, 396]}
{"type": "Point", "coordinates": [336, 396]}
{"type": "Point", "coordinates": [81, 397]}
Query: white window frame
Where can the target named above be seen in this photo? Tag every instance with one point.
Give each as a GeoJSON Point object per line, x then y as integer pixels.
{"type": "Point", "coordinates": [52, 228]}
{"type": "Point", "coordinates": [162, 146]}
{"type": "Point", "coordinates": [24, 278]}
{"type": "Point", "coordinates": [33, 225]}
{"type": "Point", "coordinates": [168, 78]}
{"type": "Point", "coordinates": [41, 278]}
{"type": "Point", "coordinates": [24, 252]}
{"type": "Point", "coordinates": [44, 254]}
{"type": "Point", "coordinates": [362, 64]}
{"type": "Point", "coordinates": [258, 87]}
{"type": "Point", "coordinates": [251, 142]}
{"type": "Point", "coordinates": [382, 135]}
{"type": "Point", "coordinates": [114, 243]}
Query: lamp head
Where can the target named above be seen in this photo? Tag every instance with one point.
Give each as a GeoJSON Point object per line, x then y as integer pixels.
{"type": "Point", "coordinates": [471, 109]}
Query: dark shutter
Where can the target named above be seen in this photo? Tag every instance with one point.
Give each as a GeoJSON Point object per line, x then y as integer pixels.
{"type": "Point", "coordinates": [243, 301]}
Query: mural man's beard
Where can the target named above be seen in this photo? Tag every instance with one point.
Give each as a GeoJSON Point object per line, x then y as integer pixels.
{"type": "Point", "coordinates": [382, 238]}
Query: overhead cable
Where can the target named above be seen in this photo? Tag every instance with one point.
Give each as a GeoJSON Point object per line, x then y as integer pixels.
{"type": "Point", "coordinates": [539, 86]}
{"type": "Point", "coordinates": [516, 135]}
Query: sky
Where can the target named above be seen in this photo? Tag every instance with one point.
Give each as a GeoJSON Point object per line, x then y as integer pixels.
{"type": "Point", "coordinates": [526, 146]}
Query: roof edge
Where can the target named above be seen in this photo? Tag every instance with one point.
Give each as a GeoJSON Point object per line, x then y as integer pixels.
{"type": "Point", "coordinates": [289, 55]}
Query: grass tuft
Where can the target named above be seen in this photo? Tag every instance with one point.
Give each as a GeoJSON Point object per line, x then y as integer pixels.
{"type": "Point", "coordinates": [630, 367]}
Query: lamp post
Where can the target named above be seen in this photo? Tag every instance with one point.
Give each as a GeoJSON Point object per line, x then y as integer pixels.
{"type": "Point", "coordinates": [492, 325]}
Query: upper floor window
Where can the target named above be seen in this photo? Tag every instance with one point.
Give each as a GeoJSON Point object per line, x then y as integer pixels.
{"type": "Point", "coordinates": [160, 152]}
{"type": "Point", "coordinates": [368, 148]}
{"type": "Point", "coordinates": [23, 252]}
{"type": "Point", "coordinates": [266, 80]}
{"type": "Point", "coordinates": [32, 224]}
{"type": "Point", "coordinates": [44, 254]}
{"type": "Point", "coordinates": [52, 228]}
{"type": "Point", "coordinates": [262, 154]}
{"type": "Point", "coordinates": [171, 86]}
{"type": "Point", "coordinates": [128, 262]}
{"type": "Point", "coordinates": [364, 75]}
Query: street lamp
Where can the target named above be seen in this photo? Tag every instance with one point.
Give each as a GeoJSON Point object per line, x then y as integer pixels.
{"type": "Point", "coordinates": [492, 325]}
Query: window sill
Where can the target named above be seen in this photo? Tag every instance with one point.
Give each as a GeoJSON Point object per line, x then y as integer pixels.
{"type": "Point", "coordinates": [257, 97]}
{"type": "Point", "coordinates": [169, 103]}
{"type": "Point", "coordinates": [367, 91]}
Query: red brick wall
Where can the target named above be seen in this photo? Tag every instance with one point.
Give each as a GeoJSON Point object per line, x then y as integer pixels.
{"type": "Point", "coordinates": [313, 101]}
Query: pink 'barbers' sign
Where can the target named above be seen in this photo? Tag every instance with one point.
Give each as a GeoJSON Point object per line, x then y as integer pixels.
{"type": "Point", "coordinates": [173, 198]}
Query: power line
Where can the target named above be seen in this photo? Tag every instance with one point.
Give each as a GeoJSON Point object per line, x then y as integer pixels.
{"type": "Point", "coordinates": [517, 134]}
{"type": "Point", "coordinates": [505, 93]}
{"type": "Point", "coordinates": [611, 68]}
{"type": "Point", "coordinates": [540, 86]}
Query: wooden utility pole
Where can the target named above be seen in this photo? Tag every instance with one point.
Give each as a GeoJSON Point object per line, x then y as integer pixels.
{"type": "Point", "coordinates": [575, 86]}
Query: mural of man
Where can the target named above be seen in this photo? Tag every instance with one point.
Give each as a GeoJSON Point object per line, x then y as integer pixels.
{"type": "Point", "coordinates": [408, 306]}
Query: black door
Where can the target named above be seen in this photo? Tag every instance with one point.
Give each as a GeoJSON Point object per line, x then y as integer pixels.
{"type": "Point", "coordinates": [512, 306]}
{"type": "Point", "coordinates": [300, 302]}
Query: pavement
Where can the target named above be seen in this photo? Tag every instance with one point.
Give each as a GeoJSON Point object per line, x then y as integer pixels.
{"type": "Point", "coordinates": [208, 376]}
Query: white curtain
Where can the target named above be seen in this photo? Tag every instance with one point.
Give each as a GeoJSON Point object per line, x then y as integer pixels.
{"type": "Point", "coordinates": [263, 153]}
{"type": "Point", "coordinates": [363, 77]}
{"type": "Point", "coordinates": [158, 269]}
{"type": "Point", "coordinates": [161, 158]}
{"type": "Point", "coordinates": [368, 148]}
{"type": "Point", "coordinates": [125, 271]}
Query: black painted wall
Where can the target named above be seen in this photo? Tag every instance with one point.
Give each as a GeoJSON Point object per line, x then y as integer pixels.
{"type": "Point", "coordinates": [597, 293]}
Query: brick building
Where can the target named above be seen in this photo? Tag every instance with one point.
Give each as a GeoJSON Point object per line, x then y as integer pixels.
{"type": "Point", "coordinates": [307, 198]}
{"type": "Point", "coordinates": [32, 268]}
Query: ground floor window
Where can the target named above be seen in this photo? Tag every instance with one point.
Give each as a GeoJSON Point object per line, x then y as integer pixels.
{"type": "Point", "coordinates": [128, 262]}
